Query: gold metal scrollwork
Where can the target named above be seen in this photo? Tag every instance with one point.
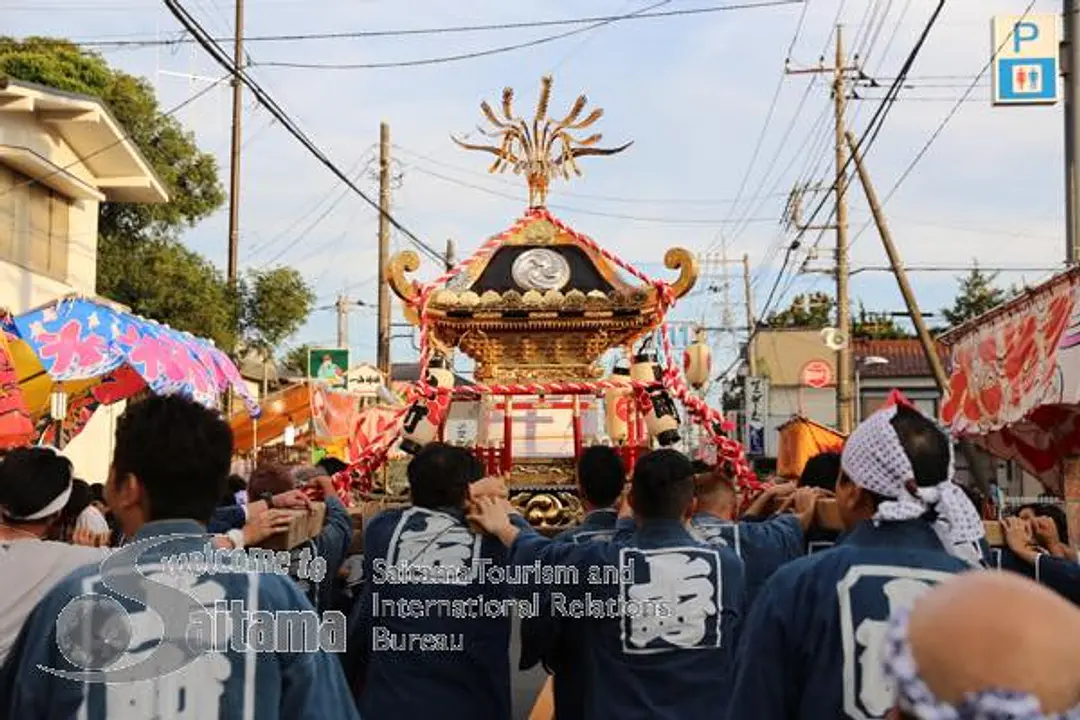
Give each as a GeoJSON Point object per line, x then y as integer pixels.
{"type": "Point", "coordinates": [686, 263]}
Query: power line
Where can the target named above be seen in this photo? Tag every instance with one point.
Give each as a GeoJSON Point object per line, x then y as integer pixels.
{"type": "Point", "coordinates": [454, 29]}
{"type": "Point", "coordinates": [440, 60]}
{"type": "Point", "coordinates": [583, 211]}
{"type": "Point", "coordinates": [220, 57]}
{"type": "Point", "coordinates": [582, 196]}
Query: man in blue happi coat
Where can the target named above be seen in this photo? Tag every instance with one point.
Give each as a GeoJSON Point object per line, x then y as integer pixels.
{"type": "Point", "coordinates": [812, 645]}
{"type": "Point", "coordinates": [430, 630]}
{"type": "Point", "coordinates": [1026, 554]}
{"type": "Point", "coordinates": [659, 611]}
{"type": "Point", "coordinates": [156, 630]}
{"type": "Point", "coordinates": [821, 471]}
{"type": "Point", "coordinates": [764, 545]}
{"type": "Point", "coordinates": [553, 641]}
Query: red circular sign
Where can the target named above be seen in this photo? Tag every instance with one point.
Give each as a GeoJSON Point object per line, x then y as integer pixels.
{"type": "Point", "coordinates": [817, 374]}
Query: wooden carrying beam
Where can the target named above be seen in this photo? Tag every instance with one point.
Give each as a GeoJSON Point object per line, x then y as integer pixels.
{"type": "Point", "coordinates": [304, 526]}
{"type": "Point", "coordinates": [828, 517]}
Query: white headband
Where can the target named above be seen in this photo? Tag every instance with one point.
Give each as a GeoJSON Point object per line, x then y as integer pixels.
{"type": "Point", "coordinates": [52, 508]}
{"type": "Point", "coordinates": [873, 458]}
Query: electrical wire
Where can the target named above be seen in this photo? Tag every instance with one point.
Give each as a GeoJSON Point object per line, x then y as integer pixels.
{"type": "Point", "coordinates": [458, 29]}
{"type": "Point", "coordinates": [222, 58]}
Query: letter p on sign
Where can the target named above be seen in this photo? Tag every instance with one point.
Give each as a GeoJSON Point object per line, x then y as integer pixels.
{"type": "Point", "coordinates": [1024, 32]}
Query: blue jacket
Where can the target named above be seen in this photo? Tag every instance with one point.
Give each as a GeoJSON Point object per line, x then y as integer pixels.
{"type": "Point", "coordinates": [811, 643]}
{"type": "Point", "coordinates": [657, 616]}
{"type": "Point", "coordinates": [764, 546]}
{"type": "Point", "coordinates": [429, 632]}
{"type": "Point", "coordinates": [555, 641]}
{"type": "Point", "coordinates": [225, 682]}
{"type": "Point", "coordinates": [1062, 575]}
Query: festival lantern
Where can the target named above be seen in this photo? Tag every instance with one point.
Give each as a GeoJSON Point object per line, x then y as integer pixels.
{"type": "Point", "coordinates": [426, 414]}
{"type": "Point", "coordinates": [616, 401]}
{"type": "Point", "coordinates": [661, 418]}
{"type": "Point", "coordinates": [697, 361]}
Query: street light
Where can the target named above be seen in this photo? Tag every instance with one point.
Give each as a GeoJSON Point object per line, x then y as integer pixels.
{"type": "Point", "coordinates": [860, 364]}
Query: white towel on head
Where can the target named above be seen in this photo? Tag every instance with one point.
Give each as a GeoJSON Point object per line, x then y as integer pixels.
{"type": "Point", "coordinates": [873, 458]}
{"type": "Point", "coordinates": [91, 519]}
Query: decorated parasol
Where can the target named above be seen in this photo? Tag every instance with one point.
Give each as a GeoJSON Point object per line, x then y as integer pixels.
{"type": "Point", "coordinates": [76, 354]}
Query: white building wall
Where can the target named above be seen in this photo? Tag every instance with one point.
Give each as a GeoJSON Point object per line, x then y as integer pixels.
{"type": "Point", "coordinates": [22, 290]}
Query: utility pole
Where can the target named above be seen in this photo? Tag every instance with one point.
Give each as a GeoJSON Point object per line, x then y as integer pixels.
{"type": "Point", "coordinates": [383, 354]}
{"type": "Point", "coordinates": [342, 307]}
{"type": "Point", "coordinates": [929, 349]}
{"type": "Point", "coordinates": [975, 466]}
{"type": "Point", "coordinates": [844, 364]}
{"type": "Point", "coordinates": [1070, 47]}
{"type": "Point", "coordinates": [751, 324]}
{"type": "Point", "coordinates": [451, 255]}
{"type": "Point", "coordinates": [234, 163]}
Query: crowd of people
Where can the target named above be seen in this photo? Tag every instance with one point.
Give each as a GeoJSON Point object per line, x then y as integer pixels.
{"type": "Point", "coordinates": [675, 597]}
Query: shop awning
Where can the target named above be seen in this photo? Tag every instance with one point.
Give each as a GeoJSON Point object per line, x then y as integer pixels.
{"type": "Point", "coordinates": [92, 350]}
{"type": "Point", "coordinates": [1014, 387]}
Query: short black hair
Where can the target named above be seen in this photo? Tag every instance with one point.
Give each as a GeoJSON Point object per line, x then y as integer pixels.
{"type": "Point", "coordinates": [439, 476]}
{"type": "Point", "coordinates": [925, 444]}
{"type": "Point", "coordinates": [1056, 514]}
{"type": "Point", "coordinates": [180, 451]}
{"type": "Point", "coordinates": [30, 479]}
{"type": "Point", "coordinates": [474, 467]}
{"type": "Point", "coordinates": [332, 465]}
{"type": "Point", "coordinates": [700, 467]}
{"type": "Point", "coordinates": [663, 485]}
{"type": "Point", "coordinates": [821, 471]}
{"type": "Point", "coordinates": [601, 475]}
{"type": "Point", "coordinates": [97, 493]}
{"type": "Point", "coordinates": [79, 499]}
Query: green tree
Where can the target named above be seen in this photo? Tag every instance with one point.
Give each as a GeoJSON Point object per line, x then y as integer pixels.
{"type": "Point", "coordinates": [812, 311]}
{"type": "Point", "coordinates": [295, 360]}
{"type": "Point", "coordinates": [977, 294]}
{"type": "Point", "coordinates": [274, 304]}
{"type": "Point", "coordinates": [876, 326]}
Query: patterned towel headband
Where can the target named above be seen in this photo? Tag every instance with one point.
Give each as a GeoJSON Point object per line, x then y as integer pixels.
{"type": "Point", "coordinates": [915, 698]}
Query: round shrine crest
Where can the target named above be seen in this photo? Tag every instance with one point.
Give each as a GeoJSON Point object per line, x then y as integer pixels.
{"type": "Point", "coordinates": [541, 269]}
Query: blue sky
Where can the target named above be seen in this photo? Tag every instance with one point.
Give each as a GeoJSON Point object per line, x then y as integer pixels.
{"type": "Point", "coordinates": [692, 93]}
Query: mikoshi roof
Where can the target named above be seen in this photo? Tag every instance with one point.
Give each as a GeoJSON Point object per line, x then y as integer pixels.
{"type": "Point", "coordinates": [84, 345]}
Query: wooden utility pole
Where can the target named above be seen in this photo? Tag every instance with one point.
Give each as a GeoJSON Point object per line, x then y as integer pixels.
{"type": "Point", "coordinates": [383, 354]}
{"type": "Point", "coordinates": [342, 307]}
{"type": "Point", "coordinates": [234, 154]}
{"type": "Point", "coordinates": [751, 323]}
{"type": "Point", "coordinates": [451, 255]}
{"type": "Point", "coordinates": [844, 364]}
{"type": "Point", "coordinates": [932, 358]}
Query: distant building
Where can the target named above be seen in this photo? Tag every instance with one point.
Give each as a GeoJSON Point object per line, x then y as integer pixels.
{"type": "Point", "coordinates": [61, 156]}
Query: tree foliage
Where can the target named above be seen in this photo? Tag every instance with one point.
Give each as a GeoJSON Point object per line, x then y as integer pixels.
{"type": "Point", "coordinates": [274, 304]}
{"type": "Point", "coordinates": [876, 326]}
{"type": "Point", "coordinates": [141, 262]}
{"type": "Point", "coordinates": [977, 294]}
{"type": "Point", "coordinates": [812, 312]}
{"type": "Point", "coordinates": [295, 360]}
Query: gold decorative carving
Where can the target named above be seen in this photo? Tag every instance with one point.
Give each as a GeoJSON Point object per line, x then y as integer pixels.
{"type": "Point", "coordinates": [686, 263]}
{"type": "Point", "coordinates": [549, 510]}
{"type": "Point", "coordinates": [403, 262]}
{"type": "Point", "coordinates": [542, 148]}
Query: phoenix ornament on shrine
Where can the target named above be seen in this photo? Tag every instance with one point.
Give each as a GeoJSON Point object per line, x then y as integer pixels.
{"type": "Point", "coordinates": [542, 148]}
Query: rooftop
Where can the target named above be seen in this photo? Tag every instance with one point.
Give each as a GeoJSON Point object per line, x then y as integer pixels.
{"type": "Point", "coordinates": [121, 173]}
{"type": "Point", "coordinates": [906, 358]}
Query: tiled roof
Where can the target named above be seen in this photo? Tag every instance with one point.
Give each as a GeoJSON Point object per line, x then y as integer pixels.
{"type": "Point", "coordinates": [906, 358]}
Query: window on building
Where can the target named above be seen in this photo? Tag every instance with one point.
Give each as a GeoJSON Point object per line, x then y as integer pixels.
{"type": "Point", "coordinates": [33, 225]}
